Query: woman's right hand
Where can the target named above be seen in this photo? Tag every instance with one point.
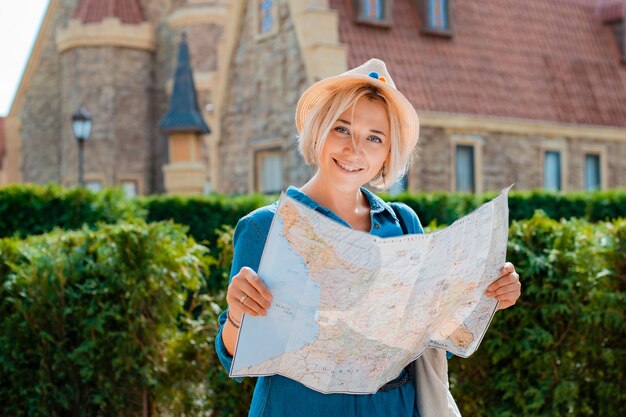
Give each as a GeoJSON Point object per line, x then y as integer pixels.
{"type": "Point", "coordinates": [248, 294]}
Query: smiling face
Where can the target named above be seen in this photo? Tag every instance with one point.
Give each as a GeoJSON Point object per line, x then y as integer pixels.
{"type": "Point", "coordinates": [357, 145]}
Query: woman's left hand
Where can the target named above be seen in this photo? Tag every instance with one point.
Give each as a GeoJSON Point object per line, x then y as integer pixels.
{"type": "Point", "coordinates": [506, 289]}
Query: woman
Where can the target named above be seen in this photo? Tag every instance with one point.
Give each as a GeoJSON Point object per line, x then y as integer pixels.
{"type": "Point", "coordinates": [356, 129]}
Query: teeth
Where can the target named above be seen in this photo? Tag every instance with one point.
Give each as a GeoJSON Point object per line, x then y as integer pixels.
{"type": "Point", "coordinates": [347, 167]}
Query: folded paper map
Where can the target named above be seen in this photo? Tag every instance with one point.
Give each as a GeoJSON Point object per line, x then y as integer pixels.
{"type": "Point", "coordinates": [350, 310]}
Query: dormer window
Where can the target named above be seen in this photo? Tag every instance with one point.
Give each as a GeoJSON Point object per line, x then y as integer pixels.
{"type": "Point", "coordinates": [436, 16]}
{"type": "Point", "coordinates": [373, 9]}
{"type": "Point", "coordinates": [373, 12]}
{"type": "Point", "coordinates": [612, 13]}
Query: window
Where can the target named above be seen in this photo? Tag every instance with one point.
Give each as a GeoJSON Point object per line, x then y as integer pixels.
{"type": "Point", "coordinates": [465, 169]}
{"type": "Point", "coordinates": [95, 186]}
{"type": "Point", "coordinates": [436, 17]}
{"type": "Point", "coordinates": [619, 30]}
{"type": "Point", "coordinates": [399, 186]}
{"type": "Point", "coordinates": [552, 170]}
{"type": "Point", "coordinates": [266, 18]}
{"type": "Point", "coordinates": [130, 188]}
{"type": "Point", "coordinates": [376, 12]}
{"type": "Point", "coordinates": [269, 171]}
{"type": "Point", "coordinates": [373, 9]}
{"type": "Point", "coordinates": [592, 172]}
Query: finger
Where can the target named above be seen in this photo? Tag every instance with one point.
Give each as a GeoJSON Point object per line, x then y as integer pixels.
{"type": "Point", "coordinates": [510, 296]}
{"type": "Point", "coordinates": [252, 308]}
{"type": "Point", "coordinates": [235, 295]}
{"type": "Point", "coordinates": [240, 285]}
{"type": "Point", "coordinates": [504, 304]}
{"type": "Point", "coordinates": [257, 283]}
{"type": "Point", "coordinates": [515, 286]}
{"type": "Point", "coordinates": [249, 290]}
{"type": "Point", "coordinates": [507, 269]}
{"type": "Point", "coordinates": [238, 312]}
{"type": "Point", "coordinates": [260, 286]}
{"type": "Point", "coordinates": [508, 279]}
{"type": "Point", "coordinates": [248, 305]}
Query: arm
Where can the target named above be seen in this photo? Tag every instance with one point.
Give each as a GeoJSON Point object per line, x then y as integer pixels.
{"type": "Point", "coordinates": [248, 243]}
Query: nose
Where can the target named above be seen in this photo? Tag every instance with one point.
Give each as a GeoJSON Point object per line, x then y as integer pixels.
{"type": "Point", "coordinates": [351, 147]}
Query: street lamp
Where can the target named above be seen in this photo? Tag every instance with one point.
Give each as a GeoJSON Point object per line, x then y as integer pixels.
{"type": "Point", "coordinates": [81, 125]}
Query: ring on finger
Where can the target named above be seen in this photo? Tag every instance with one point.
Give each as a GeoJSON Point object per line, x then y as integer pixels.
{"type": "Point", "coordinates": [243, 299]}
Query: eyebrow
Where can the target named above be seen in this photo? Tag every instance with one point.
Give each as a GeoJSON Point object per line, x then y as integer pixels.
{"type": "Point", "coordinates": [371, 130]}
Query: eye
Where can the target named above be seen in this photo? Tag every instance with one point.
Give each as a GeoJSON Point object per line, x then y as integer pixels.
{"type": "Point", "coordinates": [342, 129]}
{"type": "Point", "coordinates": [375, 139]}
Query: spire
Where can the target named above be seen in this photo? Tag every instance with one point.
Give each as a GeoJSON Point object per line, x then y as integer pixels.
{"type": "Point", "coordinates": [93, 11]}
{"type": "Point", "coordinates": [183, 114]}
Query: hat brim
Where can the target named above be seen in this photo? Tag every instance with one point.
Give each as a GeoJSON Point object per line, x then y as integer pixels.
{"type": "Point", "coordinates": [409, 122]}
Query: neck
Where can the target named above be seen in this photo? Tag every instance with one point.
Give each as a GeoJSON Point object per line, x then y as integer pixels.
{"type": "Point", "coordinates": [345, 202]}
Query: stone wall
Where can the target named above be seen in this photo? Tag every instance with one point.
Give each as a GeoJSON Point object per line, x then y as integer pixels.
{"type": "Point", "coordinates": [40, 119]}
{"type": "Point", "coordinates": [114, 84]}
{"type": "Point", "coordinates": [266, 79]}
{"type": "Point", "coordinates": [509, 158]}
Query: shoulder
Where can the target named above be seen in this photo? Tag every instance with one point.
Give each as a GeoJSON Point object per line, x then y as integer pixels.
{"type": "Point", "coordinates": [408, 216]}
{"type": "Point", "coordinates": [257, 222]}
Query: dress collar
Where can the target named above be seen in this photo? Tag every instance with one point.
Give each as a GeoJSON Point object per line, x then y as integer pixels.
{"type": "Point", "coordinates": [377, 204]}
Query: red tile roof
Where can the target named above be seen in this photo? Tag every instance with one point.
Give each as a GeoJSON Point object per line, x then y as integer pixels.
{"type": "Point", "coordinates": [1, 140]}
{"type": "Point", "coordinates": [536, 59]}
{"type": "Point", "coordinates": [92, 11]}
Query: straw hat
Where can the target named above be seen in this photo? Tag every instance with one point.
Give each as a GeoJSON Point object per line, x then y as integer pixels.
{"type": "Point", "coordinates": [375, 73]}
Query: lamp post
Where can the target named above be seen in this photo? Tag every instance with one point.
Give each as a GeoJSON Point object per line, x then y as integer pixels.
{"type": "Point", "coordinates": [81, 125]}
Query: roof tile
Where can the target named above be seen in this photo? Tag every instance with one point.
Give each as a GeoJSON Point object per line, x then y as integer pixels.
{"type": "Point", "coordinates": [541, 60]}
{"type": "Point", "coordinates": [93, 11]}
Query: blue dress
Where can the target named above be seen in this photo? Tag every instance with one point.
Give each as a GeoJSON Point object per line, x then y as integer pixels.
{"type": "Point", "coordinates": [277, 396]}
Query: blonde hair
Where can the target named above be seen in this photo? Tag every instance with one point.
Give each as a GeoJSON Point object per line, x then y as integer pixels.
{"type": "Point", "coordinates": [325, 113]}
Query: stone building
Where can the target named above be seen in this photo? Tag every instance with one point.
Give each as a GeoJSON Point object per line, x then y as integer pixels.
{"type": "Point", "coordinates": [528, 92]}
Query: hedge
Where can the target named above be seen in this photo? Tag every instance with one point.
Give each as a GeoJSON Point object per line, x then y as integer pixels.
{"type": "Point", "coordinates": [106, 322]}
{"type": "Point", "coordinates": [206, 217]}
{"type": "Point", "coordinates": [28, 209]}
{"type": "Point", "coordinates": [445, 208]}
{"type": "Point", "coordinates": [561, 350]}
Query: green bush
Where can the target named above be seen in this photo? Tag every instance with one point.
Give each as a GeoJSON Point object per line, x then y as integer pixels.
{"type": "Point", "coordinates": [206, 217]}
{"type": "Point", "coordinates": [27, 210]}
{"type": "Point", "coordinates": [445, 208]}
{"type": "Point", "coordinates": [105, 322]}
{"type": "Point", "coordinates": [560, 351]}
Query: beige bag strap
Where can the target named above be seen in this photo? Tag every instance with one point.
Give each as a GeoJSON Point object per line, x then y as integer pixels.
{"type": "Point", "coordinates": [431, 386]}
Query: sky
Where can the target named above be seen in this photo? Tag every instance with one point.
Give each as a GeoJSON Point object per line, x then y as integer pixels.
{"type": "Point", "coordinates": [19, 24]}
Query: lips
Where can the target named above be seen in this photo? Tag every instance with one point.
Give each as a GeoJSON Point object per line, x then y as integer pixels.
{"type": "Point", "coordinates": [347, 167]}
